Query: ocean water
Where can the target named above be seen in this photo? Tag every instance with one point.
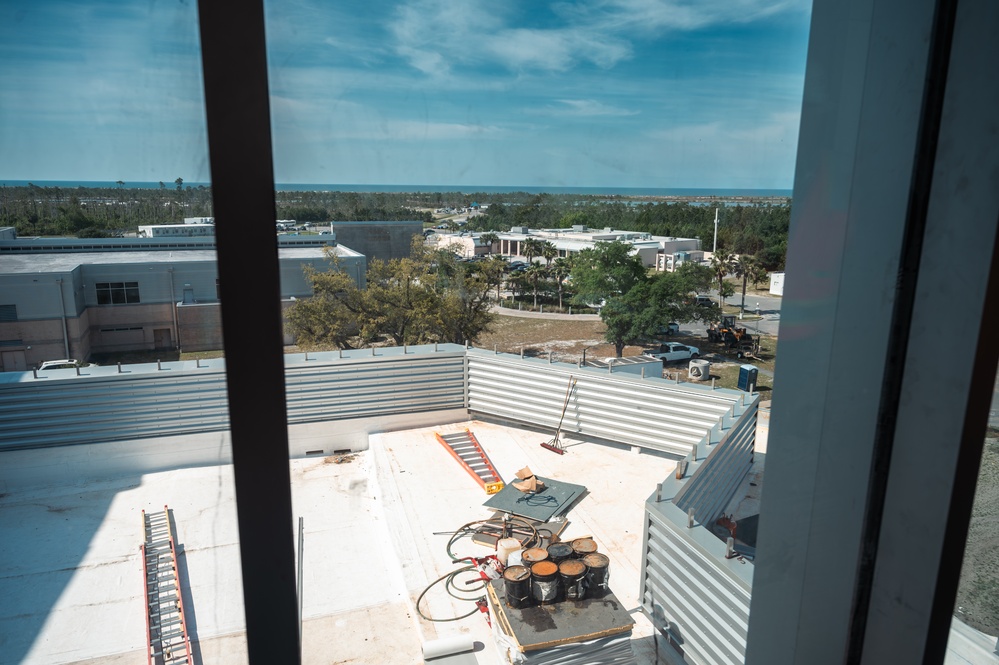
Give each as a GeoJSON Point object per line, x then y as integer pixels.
{"type": "Point", "coordinates": [464, 189]}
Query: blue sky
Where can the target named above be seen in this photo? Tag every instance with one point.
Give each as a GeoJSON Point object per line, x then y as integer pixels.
{"type": "Point", "coordinates": [617, 93]}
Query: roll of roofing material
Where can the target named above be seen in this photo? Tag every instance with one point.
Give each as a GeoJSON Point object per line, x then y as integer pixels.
{"type": "Point", "coordinates": [447, 646]}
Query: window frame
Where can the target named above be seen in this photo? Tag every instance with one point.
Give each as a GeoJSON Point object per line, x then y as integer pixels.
{"type": "Point", "coordinates": [887, 82]}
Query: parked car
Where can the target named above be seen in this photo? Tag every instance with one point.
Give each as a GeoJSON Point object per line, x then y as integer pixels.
{"type": "Point", "coordinates": [65, 363]}
{"type": "Point", "coordinates": [671, 351]}
{"type": "Point", "coordinates": [705, 301]}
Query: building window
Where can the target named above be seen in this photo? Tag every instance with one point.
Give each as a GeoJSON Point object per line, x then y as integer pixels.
{"type": "Point", "coordinates": [8, 313]}
{"type": "Point", "coordinates": [117, 293]}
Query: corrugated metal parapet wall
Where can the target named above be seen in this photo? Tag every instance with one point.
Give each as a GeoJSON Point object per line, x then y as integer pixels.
{"type": "Point", "coordinates": [691, 591]}
{"type": "Point", "coordinates": [188, 397]}
{"type": "Point", "coordinates": [651, 412]}
{"type": "Point", "coordinates": [715, 480]}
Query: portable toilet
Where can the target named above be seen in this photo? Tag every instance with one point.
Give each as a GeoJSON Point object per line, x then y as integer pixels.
{"type": "Point", "coordinates": [747, 378]}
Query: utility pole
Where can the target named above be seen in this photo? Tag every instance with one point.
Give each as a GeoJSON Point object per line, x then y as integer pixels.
{"type": "Point", "coordinates": [714, 248]}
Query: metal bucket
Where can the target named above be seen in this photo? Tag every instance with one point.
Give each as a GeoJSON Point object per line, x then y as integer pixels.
{"type": "Point", "coordinates": [597, 575]}
{"type": "Point", "coordinates": [583, 546]}
{"type": "Point", "coordinates": [559, 552]}
{"type": "Point", "coordinates": [534, 555]}
{"type": "Point", "coordinates": [573, 575]}
{"type": "Point", "coordinates": [517, 583]}
{"type": "Point", "coordinates": [545, 583]}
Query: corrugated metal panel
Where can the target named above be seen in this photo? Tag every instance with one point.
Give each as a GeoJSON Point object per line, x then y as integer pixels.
{"type": "Point", "coordinates": [183, 399]}
{"type": "Point", "coordinates": [712, 484]}
{"type": "Point", "coordinates": [685, 590]}
{"type": "Point", "coordinates": [651, 413]}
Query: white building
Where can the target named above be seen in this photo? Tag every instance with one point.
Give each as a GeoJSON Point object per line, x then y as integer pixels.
{"type": "Point", "coordinates": [185, 230]}
{"type": "Point", "coordinates": [570, 241]}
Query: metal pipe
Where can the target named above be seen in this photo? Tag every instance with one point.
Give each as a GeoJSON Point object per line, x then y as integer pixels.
{"type": "Point", "coordinates": [173, 310]}
{"type": "Point", "coordinates": [65, 325]}
{"type": "Point", "coordinates": [301, 558]}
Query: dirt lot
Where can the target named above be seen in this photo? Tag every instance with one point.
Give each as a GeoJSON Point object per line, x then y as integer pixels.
{"type": "Point", "coordinates": [567, 339]}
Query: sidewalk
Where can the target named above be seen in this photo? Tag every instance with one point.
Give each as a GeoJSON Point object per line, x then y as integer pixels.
{"type": "Point", "coordinates": [505, 311]}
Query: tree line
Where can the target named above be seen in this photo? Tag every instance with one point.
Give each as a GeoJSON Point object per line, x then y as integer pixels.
{"type": "Point", "coordinates": [759, 230]}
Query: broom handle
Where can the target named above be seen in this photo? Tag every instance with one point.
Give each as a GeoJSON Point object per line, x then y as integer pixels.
{"type": "Point", "coordinates": [565, 405]}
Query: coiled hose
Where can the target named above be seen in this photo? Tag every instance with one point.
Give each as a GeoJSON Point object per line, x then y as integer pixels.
{"type": "Point", "coordinates": [449, 579]}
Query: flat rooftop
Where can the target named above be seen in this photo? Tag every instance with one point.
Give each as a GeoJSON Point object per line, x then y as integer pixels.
{"type": "Point", "coordinates": [68, 261]}
{"type": "Point", "coordinates": [376, 525]}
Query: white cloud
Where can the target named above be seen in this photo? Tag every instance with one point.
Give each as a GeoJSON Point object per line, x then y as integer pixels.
{"type": "Point", "coordinates": [435, 36]}
{"type": "Point", "coordinates": [581, 108]}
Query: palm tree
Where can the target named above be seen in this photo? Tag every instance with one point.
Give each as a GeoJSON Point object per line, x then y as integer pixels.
{"type": "Point", "coordinates": [489, 239]}
{"type": "Point", "coordinates": [560, 270]}
{"type": "Point", "coordinates": [534, 273]}
{"type": "Point", "coordinates": [530, 248]}
{"type": "Point", "coordinates": [721, 264]}
{"type": "Point", "coordinates": [549, 251]}
{"type": "Point", "coordinates": [746, 267]}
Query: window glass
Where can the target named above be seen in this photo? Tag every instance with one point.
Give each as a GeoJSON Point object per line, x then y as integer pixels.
{"type": "Point", "coordinates": [103, 132]}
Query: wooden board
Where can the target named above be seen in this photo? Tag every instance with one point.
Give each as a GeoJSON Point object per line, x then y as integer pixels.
{"type": "Point", "coordinates": [546, 626]}
{"type": "Point", "coordinates": [489, 539]}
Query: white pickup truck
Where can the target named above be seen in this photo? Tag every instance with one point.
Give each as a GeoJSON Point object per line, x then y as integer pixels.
{"type": "Point", "coordinates": [674, 351]}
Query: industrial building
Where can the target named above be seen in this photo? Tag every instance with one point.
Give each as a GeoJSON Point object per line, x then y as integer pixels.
{"type": "Point", "coordinates": [70, 298]}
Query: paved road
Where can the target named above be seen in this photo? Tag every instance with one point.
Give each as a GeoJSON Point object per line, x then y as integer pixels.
{"type": "Point", "coordinates": [769, 309]}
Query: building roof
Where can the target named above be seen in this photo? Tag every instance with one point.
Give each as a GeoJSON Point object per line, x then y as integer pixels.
{"type": "Point", "coordinates": [370, 545]}
{"type": "Point", "coordinates": [61, 262]}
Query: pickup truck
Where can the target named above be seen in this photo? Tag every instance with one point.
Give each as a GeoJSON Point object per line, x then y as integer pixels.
{"type": "Point", "coordinates": [674, 351]}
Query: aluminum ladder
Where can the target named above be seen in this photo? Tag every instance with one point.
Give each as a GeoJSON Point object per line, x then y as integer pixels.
{"type": "Point", "coordinates": [166, 625]}
{"type": "Point", "coordinates": [465, 448]}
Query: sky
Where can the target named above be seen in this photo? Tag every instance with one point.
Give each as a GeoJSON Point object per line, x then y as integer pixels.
{"type": "Point", "coordinates": [615, 93]}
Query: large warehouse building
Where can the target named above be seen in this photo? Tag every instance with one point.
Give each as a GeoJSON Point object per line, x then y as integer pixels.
{"type": "Point", "coordinates": [70, 298]}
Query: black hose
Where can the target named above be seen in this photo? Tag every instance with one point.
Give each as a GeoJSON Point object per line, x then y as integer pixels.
{"type": "Point", "coordinates": [449, 579]}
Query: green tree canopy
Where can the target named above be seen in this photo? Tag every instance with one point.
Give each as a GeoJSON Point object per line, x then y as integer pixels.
{"type": "Point", "coordinates": [429, 297]}
{"type": "Point", "coordinates": [608, 269]}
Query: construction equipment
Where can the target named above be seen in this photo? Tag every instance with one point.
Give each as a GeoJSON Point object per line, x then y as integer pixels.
{"type": "Point", "coordinates": [727, 333]}
{"type": "Point", "coordinates": [167, 641]}
{"type": "Point", "coordinates": [465, 448]}
{"type": "Point", "coordinates": [555, 445]}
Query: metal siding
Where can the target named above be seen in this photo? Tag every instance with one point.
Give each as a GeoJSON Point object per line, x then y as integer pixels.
{"type": "Point", "coordinates": [180, 399]}
{"type": "Point", "coordinates": [713, 483]}
{"type": "Point", "coordinates": [651, 413]}
{"type": "Point", "coordinates": [688, 593]}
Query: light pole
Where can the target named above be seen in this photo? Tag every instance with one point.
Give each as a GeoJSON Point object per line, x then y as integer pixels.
{"type": "Point", "coordinates": [714, 248]}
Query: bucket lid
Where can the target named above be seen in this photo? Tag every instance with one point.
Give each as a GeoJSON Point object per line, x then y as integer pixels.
{"type": "Point", "coordinates": [544, 569]}
{"type": "Point", "coordinates": [560, 549]}
{"type": "Point", "coordinates": [572, 567]}
{"type": "Point", "coordinates": [596, 560]}
{"type": "Point", "coordinates": [516, 573]}
{"type": "Point", "coordinates": [584, 545]}
{"type": "Point", "coordinates": [535, 554]}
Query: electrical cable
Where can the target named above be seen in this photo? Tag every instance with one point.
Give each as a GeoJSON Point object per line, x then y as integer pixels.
{"type": "Point", "coordinates": [449, 579]}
